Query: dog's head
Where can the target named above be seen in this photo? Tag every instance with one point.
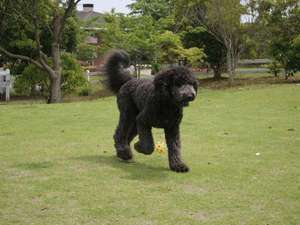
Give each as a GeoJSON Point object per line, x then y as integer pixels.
{"type": "Point", "coordinates": [177, 85]}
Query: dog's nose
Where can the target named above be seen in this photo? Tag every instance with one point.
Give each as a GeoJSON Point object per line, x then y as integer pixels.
{"type": "Point", "coordinates": [191, 97]}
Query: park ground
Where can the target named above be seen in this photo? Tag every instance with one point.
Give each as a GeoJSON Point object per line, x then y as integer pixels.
{"type": "Point", "coordinates": [58, 165]}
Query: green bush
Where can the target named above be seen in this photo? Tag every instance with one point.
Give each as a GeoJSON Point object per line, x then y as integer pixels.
{"type": "Point", "coordinates": [274, 68]}
{"type": "Point", "coordinates": [155, 68]}
{"type": "Point", "coordinates": [86, 52]}
{"type": "Point", "coordinates": [31, 82]}
{"type": "Point", "coordinates": [72, 74]}
{"type": "Point", "coordinates": [85, 91]}
{"type": "Point", "coordinates": [34, 81]}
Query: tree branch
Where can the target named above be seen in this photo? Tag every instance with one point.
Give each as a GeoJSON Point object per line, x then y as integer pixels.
{"type": "Point", "coordinates": [47, 68]}
{"type": "Point", "coordinates": [42, 56]}
{"type": "Point", "coordinates": [70, 7]}
{"type": "Point", "coordinates": [22, 57]}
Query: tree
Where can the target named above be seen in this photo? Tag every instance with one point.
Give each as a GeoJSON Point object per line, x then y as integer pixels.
{"type": "Point", "coordinates": [282, 20]}
{"type": "Point", "coordinates": [24, 23]}
{"type": "Point", "coordinates": [170, 47]}
{"type": "Point", "coordinates": [33, 77]}
{"type": "Point", "coordinates": [145, 35]}
{"type": "Point", "coordinates": [157, 9]}
{"type": "Point", "coordinates": [131, 33]}
{"type": "Point", "coordinates": [86, 52]}
{"type": "Point", "coordinates": [171, 50]}
{"type": "Point", "coordinates": [221, 18]}
{"type": "Point", "coordinates": [214, 50]}
{"type": "Point", "coordinates": [257, 33]}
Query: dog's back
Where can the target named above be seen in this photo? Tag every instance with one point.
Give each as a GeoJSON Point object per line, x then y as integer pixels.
{"type": "Point", "coordinates": [121, 83]}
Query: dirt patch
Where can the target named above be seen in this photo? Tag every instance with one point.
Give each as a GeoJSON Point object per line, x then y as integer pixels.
{"type": "Point", "coordinates": [200, 216]}
{"type": "Point", "coordinates": [193, 189]}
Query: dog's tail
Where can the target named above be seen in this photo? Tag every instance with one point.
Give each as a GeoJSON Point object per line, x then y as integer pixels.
{"type": "Point", "coordinates": [116, 75]}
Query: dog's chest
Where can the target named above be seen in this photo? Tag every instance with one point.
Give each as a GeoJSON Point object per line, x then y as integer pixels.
{"type": "Point", "coordinates": [166, 118]}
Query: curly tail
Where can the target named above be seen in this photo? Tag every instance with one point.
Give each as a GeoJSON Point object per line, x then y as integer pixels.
{"type": "Point", "coordinates": [116, 61]}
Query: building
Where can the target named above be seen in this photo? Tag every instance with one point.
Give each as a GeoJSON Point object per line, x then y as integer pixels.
{"type": "Point", "coordinates": [88, 13]}
{"type": "Point", "coordinates": [5, 84]}
{"type": "Point", "coordinates": [93, 23]}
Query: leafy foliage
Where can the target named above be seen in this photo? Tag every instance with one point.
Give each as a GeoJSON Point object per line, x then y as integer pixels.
{"type": "Point", "coordinates": [194, 56]}
{"type": "Point", "coordinates": [19, 29]}
{"type": "Point", "coordinates": [282, 20]}
{"type": "Point", "coordinates": [86, 52]}
{"type": "Point", "coordinates": [170, 47]}
{"type": "Point", "coordinates": [171, 50]}
{"type": "Point", "coordinates": [221, 18]}
{"type": "Point", "coordinates": [34, 81]}
{"type": "Point", "coordinates": [214, 50]}
{"type": "Point", "coordinates": [274, 68]}
{"type": "Point", "coordinates": [157, 9]}
{"type": "Point", "coordinates": [72, 74]}
{"type": "Point", "coordinates": [132, 33]}
{"type": "Point", "coordinates": [36, 31]}
{"type": "Point", "coordinates": [146, 40]}
{"type": "Point", "coordinates": [285, 25]}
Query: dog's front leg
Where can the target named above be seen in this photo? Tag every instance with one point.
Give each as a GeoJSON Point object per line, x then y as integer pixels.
{"type": "Point", "coordinates": [145, 144]}
{"type": "Point", "coordinates": [174, 147]}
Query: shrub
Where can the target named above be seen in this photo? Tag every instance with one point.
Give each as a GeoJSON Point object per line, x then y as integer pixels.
{"type": "Point", "coordinates": [274, 68]}
{"type": "Point", "coordinates": [34, 81]}
{"type": "Point", "coordinates": [86, 52]}
{"type": "Point", "coordinates": [85, 91]}
{"type": "Point", "coordinates": [155, 68]}
{"type": "Point", "coordinates": [72, 74]}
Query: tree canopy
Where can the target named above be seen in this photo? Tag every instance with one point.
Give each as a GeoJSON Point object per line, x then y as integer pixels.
{"type": "Point", "coordinates": [36, 31]}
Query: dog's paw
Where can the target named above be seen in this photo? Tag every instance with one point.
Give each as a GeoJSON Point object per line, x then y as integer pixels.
{"type": "Point", "coordinates": [138, 148]}
{"type": "Point", "coordinates": [179, 167]}
{"type": "Point", "coordinates": [124, 155]}
{"type": "Point", "coordinates": [146, 151]}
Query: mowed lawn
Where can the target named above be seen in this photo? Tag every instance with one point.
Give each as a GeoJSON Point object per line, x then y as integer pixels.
{"type": "Point", "coordinates": [58, 165]}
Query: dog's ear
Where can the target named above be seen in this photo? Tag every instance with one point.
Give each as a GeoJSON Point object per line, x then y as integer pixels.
{"type": "Point", "coordinates": [163, 82]}
{"type": "Point", "coordinates": [196, 84]}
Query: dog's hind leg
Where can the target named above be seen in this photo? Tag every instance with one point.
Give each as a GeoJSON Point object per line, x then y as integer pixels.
{"type": "Point", "coordinates": [124, 133]}
{"type": "Point", "coordinates": [131, 133]}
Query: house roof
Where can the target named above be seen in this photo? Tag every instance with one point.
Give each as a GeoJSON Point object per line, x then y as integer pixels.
{"type": "Point", "coordinates": [94, 17]}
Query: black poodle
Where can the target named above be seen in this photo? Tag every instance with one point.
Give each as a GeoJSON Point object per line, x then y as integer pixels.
{"type": "Point", "coordinates": [147, 103]}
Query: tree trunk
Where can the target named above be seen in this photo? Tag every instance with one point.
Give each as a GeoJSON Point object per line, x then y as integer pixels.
{"type": "Point", "coordinates": [55, 95]}
{"type": "Point", "coordinates": [217, 72]}
{"type": "Point", "coordinates": [231, 59]}
{"type": "Point", "coordinates": [135, 69]}
{"type": "Point", "coordinates": [139, 71]}
{"type": "Point", "coordinates": [55, 92]}
{"type": "Point", "coordinates": [229, 65]}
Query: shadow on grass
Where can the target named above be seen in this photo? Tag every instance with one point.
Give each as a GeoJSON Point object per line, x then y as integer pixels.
{"type": "Point", "coordinates": [135, 170]}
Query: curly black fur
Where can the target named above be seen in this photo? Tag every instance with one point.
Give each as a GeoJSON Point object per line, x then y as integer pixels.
{"type": "Point", "coordinates": [146, 103]}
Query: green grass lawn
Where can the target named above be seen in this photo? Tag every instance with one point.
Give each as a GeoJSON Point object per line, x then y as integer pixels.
{"type": "Point", "coordinates": [58, 165]}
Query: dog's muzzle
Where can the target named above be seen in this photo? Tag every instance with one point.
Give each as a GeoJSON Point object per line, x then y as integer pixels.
{"type": "Point", "coordinates": [187, 94]}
